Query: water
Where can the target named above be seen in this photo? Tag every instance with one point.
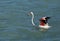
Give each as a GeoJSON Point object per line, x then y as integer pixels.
{"type": "Point", "coordinates": [15, 24]}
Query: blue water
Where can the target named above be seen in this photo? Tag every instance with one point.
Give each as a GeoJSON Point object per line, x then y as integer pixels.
{"type": "Point", "coordinates": [15, 24]}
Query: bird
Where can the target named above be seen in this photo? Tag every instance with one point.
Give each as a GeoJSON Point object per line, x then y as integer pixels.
{"type": "Point", "coordinates": [43, 22]}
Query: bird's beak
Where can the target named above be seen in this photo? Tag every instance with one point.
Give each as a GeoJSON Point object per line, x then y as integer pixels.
{"type": "Point", "coordinates": [29, 14]}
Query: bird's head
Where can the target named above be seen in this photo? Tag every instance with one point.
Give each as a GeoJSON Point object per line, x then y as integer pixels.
{"type": "Point", "coordinates": [31, 13]}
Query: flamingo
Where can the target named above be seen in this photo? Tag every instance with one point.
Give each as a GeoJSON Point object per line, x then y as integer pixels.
{"type": "Point", "coordinates": [46, 26]}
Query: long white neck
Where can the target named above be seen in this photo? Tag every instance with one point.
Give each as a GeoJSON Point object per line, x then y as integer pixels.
{"type": "Point", "coordinates": [32, 20]}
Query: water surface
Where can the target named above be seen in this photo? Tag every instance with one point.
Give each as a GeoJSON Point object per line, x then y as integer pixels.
{"type": "Point", "coordinates": [15, 24]}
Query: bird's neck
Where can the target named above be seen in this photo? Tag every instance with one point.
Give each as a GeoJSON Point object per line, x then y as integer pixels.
{"type": "Point", "coordinates": [33, 19]}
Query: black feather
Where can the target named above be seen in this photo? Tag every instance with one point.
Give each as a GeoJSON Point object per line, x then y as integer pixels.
{"type": "Point", "coordinates": [47, 17]}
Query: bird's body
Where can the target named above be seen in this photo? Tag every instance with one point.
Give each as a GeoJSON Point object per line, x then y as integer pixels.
{"type": "Point", "coordinates": [46, 26]}
{"type": "Point", "coordinates": [43, 22]}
